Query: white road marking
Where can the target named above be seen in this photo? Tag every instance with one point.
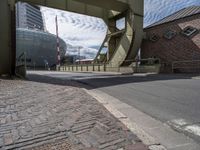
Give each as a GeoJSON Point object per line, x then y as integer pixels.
{"type": "Point", "coordinates": [185, 126]}
{"type": "Point", "coordinates": [194, 129]}
{"type": "Point", "coordinates": [197, 78]}
{"type": "Point", "coordinates": [179, 122]}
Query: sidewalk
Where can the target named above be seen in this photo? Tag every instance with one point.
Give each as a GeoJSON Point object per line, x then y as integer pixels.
{"type": "Point", "coordinates": [47, 114]}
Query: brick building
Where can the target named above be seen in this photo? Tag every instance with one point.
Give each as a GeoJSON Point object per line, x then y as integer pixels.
{"type": "Point", "coordinates": [175, 40]}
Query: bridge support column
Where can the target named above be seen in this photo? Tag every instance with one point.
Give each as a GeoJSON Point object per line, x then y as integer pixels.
{"type": "Point", "coordinates": [7, 37]}
{"type": "Point", "coordinates": [121, 41]}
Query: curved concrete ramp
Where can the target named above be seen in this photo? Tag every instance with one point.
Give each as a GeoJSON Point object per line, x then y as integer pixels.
{"type": "Point", "coordinates": [123, 45]}
{"type": "Point", "coordinates": [136, 40]}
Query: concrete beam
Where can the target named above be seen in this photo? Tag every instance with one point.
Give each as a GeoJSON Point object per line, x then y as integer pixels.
{"type": "Point", "coordinates": [5, 37]}
{"type": "Point", "coordinates": [137, 6]}
{"type": "Point", "coordinates": [109, 5]}
{"type": "Point", "coordinates": [71, 5]}
{"type": "Point", "coordinates": [92, 7]}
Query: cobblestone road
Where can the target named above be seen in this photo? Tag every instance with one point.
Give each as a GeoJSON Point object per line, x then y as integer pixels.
{"type": "Point", "coordinates": [48, 113]}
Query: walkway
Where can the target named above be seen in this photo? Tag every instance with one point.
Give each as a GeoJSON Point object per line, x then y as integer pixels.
{"type": "Point", "coordinates": [50, 114]}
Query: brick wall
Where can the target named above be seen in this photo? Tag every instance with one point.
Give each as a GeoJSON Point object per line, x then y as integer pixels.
{"type": "Point", "coordinates": [178, 48]}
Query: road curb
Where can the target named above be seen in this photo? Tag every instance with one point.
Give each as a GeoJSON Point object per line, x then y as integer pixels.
{"type": "Point", "coordinates": [153, 133]}
{"type": "Point", "coordinates": [142, 135]}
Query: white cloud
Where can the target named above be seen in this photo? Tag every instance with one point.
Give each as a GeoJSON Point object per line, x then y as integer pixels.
{"type": "Point", "coordinates": [77, 30]}
{"type": "Point", "coordinates": [74, 28]}
{"type": "Point", "coordinates": [158, 9]}
{"type": "Point", "coordinates": [86, 31]}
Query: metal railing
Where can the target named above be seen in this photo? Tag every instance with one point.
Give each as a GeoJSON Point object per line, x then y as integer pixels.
{"type": "Point", "coordinates": [21, 60]}
{"type": "Point", "coordinates": [186, 66]}
{"type": "Point", "coordinates": [84, 67]}
{"type": "Point", "coordinates": [112, 66]}
{"type": "Point", "coordinates": [21, 65]}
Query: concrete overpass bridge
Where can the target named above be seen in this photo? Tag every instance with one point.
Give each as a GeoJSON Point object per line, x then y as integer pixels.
{"type": "Point", "coordinates": [123, 44]}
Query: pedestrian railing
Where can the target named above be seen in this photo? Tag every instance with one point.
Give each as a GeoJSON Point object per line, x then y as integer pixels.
{"type": "Point", "coordinates": [83, 67]}
{"type": "Point", "coordinates": [21, 65]}
{"type": "Point", "coordinates": [133, 65]}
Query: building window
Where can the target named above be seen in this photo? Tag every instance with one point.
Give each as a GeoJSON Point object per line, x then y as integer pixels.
{"type": "Point", "coordinates": [189, 31]}
{"type": "Point", "coordinates": [169, 34]}
{"type": "Point", "coordinates": [153, 38]}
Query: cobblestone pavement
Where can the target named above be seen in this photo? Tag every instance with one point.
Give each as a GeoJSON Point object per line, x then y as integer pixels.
{"type": "Point", "coordinates": [56, 114]}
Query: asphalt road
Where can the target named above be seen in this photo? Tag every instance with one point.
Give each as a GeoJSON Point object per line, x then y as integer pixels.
{"type": "Point", "coordinates": [168, 98]}
{"type": "Point", "coordinates": [162, 97]}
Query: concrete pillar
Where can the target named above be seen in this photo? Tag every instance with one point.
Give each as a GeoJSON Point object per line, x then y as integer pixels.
{"type": "Point", "coordinates": [112, 41]}
{"type": "Point", "coordinates": [7, 48]}
{"type": "Point", "coordinates": [121, 44]}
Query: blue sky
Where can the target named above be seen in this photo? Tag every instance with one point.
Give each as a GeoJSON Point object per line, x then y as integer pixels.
{"type": "Point", "coordinates": [155, 10]}
{"type": "Point", "coordinates": [89, 32]}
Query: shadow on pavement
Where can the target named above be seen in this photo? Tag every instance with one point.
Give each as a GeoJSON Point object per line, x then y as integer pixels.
{"type": "Point", "coordinates": [106, 81]}
{"type": "Point", "coordinates": [94, 83]}
{"type": "Point", "coordinates": [52, 80]}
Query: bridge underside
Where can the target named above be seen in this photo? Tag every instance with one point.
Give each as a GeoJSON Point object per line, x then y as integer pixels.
{"type": "Point", "coordinates": [122, 44]}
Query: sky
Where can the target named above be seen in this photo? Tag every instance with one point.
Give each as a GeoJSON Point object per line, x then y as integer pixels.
{"type": "Point", "coordinates": [89, 32]}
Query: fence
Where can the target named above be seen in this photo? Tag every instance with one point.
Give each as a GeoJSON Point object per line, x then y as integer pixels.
{"type": "Point", "coordinates": [84, 67]}
{"type": "Point", "coordinates": [131, 66]}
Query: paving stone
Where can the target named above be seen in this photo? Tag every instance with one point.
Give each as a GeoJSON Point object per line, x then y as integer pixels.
{"type": "Point", "coordinates": [2, 120]}
{"type": "Point", "coordinates": [55, 114]}
{"type": "Point", "coordinates": [138, 146]}
{"type": "Point", "coordinates": [8, 118]}
{"type": "Point", "coordinates": [1, 141]}
{"type": "Point", "coordinates": [156, 147]}
{"type": "Point", "coordinates": [15, 134]}
{"type": "Point", "coordinates": [111, 143]}
{"type": "Point", "coordinates": [14, 117]}
{"type": "Point", "coordinates": [8, 139]}
{"type": "Point", "coordinates": [2, 109]}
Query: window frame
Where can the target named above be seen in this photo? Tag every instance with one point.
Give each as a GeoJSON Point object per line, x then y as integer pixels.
{"type": "Point", "coordinates": [153, 36]}
{"type": "Point", "coordinates": [169, 34]}
{"type": "Point", "coordinates": [190, 33]}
